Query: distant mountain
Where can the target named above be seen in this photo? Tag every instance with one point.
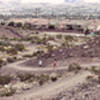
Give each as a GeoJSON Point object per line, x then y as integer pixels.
{"type": "Point", "coordinates": [74, 1]}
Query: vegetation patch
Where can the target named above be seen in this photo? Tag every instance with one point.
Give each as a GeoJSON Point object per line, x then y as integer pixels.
{"type": "Point", "coordinates": [74, 67]}
{"type": "Point", "coordinates": [5, 80]}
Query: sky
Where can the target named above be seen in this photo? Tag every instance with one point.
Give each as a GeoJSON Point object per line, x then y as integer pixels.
{"type": "Point", "coordinates": [36, 1]}
{"type": "Point", "coordinates": [51, 1]}
{"type": "Point", "coordinates": [92, 1]}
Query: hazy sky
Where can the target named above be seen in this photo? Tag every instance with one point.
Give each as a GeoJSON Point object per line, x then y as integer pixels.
{"type": "Point", "coordinates": [51, 1]}
{"type": "Point", "coordinates": [92, 1]}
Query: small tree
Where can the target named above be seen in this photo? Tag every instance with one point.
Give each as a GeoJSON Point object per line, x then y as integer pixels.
{"type": "Point", "coordinates": [11, 24]}
{"type": "Point", "coordinates": [51, 26]}
{"type": "Point", "coordinates": [19, 24]}
{"type": "Point", "coordinates": [3, 23]}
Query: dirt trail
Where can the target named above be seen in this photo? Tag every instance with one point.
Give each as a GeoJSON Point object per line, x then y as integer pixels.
{"type": "Point", "coordinates": [17, 67]}
{"type": "Point", "coordinates": [63, 33]}
{"type": "Point", "coordinates": [58, 87]}
{"type": "Point", "coordinates": [53, 89]}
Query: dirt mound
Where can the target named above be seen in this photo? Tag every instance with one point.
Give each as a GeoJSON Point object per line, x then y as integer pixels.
{"type": "Point", "coordinates": [89, 50]}
{"type": "Point", "coordinates": [9, 32]}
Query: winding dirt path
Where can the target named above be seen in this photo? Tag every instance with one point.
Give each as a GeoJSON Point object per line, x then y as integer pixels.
{"type": "Point", "coordinates": [16, 67]}
{"type": "Point", "coordinates": [51, 90]}
{"type": "Point", "coordinates": [56, 88]}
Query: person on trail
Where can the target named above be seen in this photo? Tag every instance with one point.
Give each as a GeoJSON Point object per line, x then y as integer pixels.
{"type": "Point", "coordinates": [54, 63]}
{"type": "Point", "coordinates": [40, 63]}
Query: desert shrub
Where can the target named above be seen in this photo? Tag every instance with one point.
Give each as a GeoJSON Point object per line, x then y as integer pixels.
{"type": "Point", "coordinates": [2, 48]}
{"type": "Point", "coordinates": [11, 24]}
{"type": "Point", "coordinates": [3, 23]}
{"type": "Point", "coordinates": [69, 38]}
{"type": "Point", "coordinates": [40, 41]}
{"type": "Point", "coordinates": [50, 38]}
{"type": "Point", "coordinates": [74, 67]}
{"type": "Point", "coordinates": [84, 86]}
{"type": "Point", "coordinates": [53, 77]}
{"type": "Point", "coordinates": [51, 26]}
{"type": "Point", "coordinates": [37, 39]}
{"type": "Point", "coordinates": [11, 59]}
{"type": "Point", "coordinates": [19, 24]}
{"type": "Point", "coordinates": [89, 77]}
{"type": "Point", "coordinates": [19, 47]}
{"type": "Point", "coordinates": [43, 40]}
{"type": "Point", "coordinates": [33, 38]}
{"type": "Point", "coordinates": [38, 53]}
{"type": "Point", "coordinates": [7, 92]}
{"type": "Point", "coordinates": [25, 77]}
{"type": "Point", "coordinates": [28, 55]}
{"type": "Point", "coordinates": [67, 44]}
{"type": "Point", "coordinates": [5, 80]}
{"type": "Point", "coordinates": [27, 26]}
{"type": "Point", "coordinates": [69, 27]}
{"type": "Point", "coordinates": [4, 43]}
{"type": "Point", "coordinates": [12, 51]}
{"type": "Point", "coordinates": [43, 79]}
{"type": "Point", "coordinates": [41, 82]}
{"type": "Point", "coordinates": [95, 70]}
{"type": "Point", "coordinates": [59, 36]}
{"type": "Point", "coordinates": [2, 62]}
{"type": "Point", "coordinates": [49, 47]}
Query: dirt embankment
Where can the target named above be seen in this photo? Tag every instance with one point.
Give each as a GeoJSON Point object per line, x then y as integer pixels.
{"type": "Point", "coordinates": [9, 32]}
